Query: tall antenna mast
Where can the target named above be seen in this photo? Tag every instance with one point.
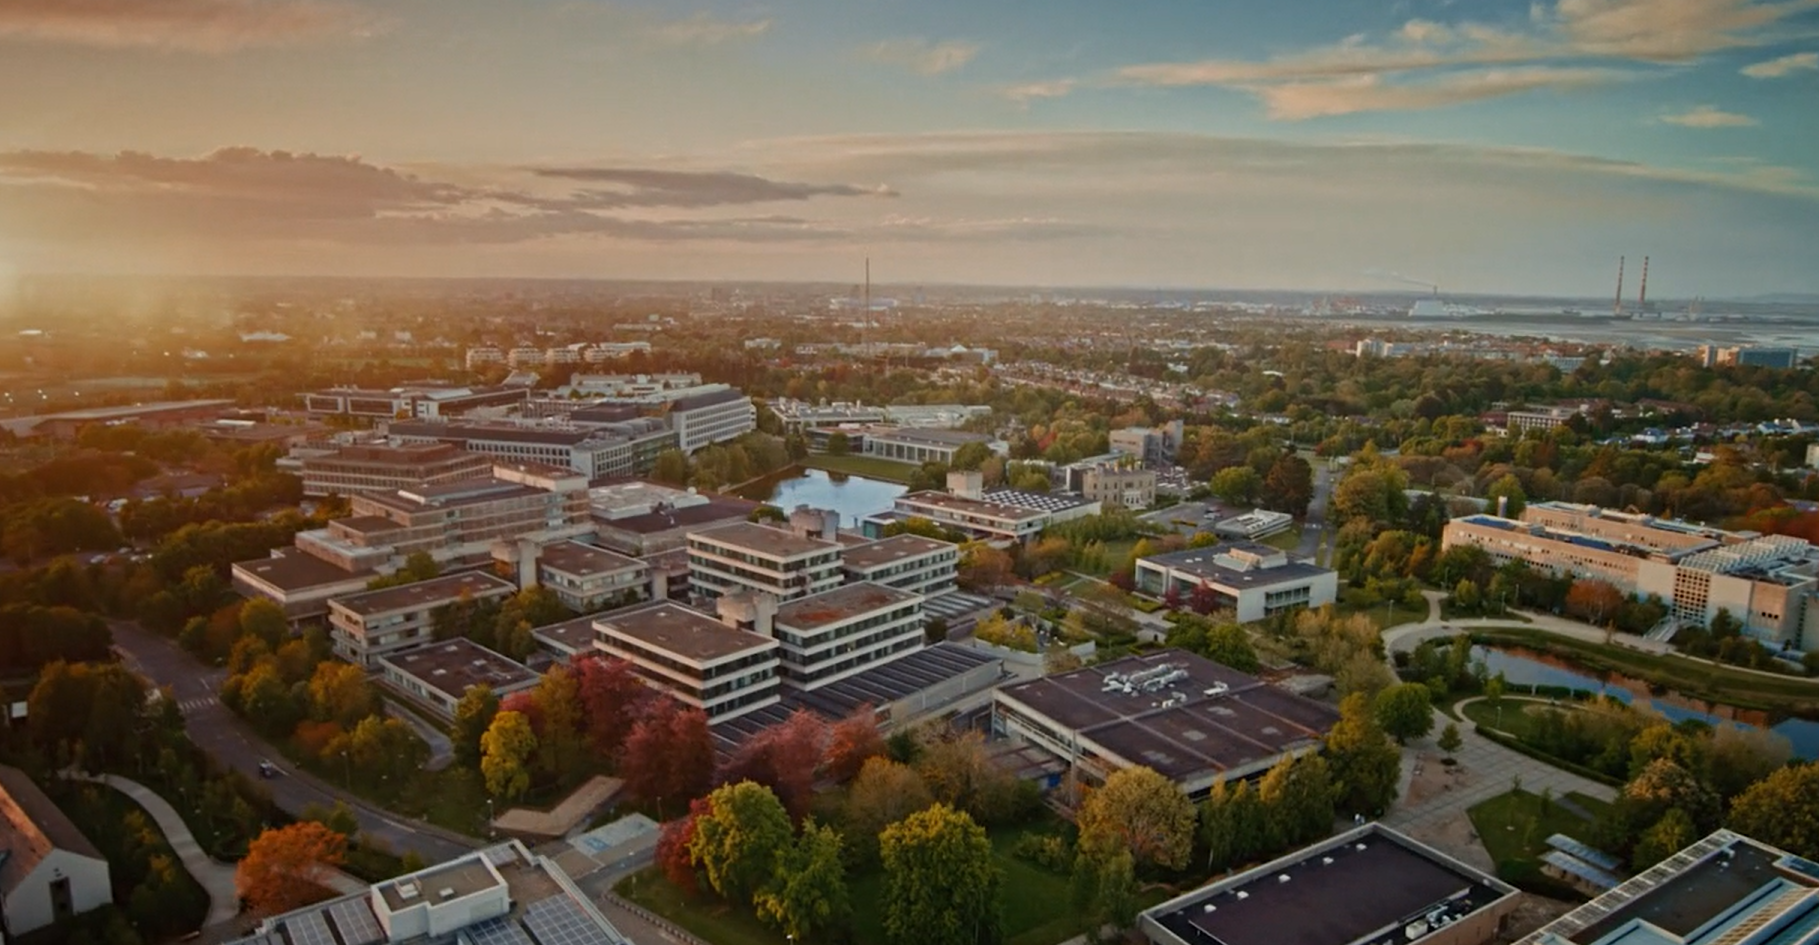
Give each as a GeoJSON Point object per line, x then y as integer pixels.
{"type": "Point", "coordinates": [866, 320]}
{"type": "Point", "coordinates": [1642, 299]}
{"type": "Point", "coordinates": [1617, 308]}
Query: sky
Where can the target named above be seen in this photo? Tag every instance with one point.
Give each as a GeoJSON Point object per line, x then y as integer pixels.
{"type": "Point", "coordinates": [1482, 146]}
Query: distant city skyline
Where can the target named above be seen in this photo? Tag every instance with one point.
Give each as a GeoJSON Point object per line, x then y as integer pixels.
{"type": "Point", "coordinates": [1493, 147]}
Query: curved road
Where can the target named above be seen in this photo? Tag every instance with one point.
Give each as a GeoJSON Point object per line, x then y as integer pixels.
{"type": "Point", "coordinates": [233, 743]}
{"type": "Point", "coordinates": [217, 879]}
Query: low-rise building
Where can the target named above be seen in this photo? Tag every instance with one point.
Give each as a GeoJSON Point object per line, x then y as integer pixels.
{"type": "Point", "coordinates": [713, 416]}
{"type": "Point", "coordinates": [366, 626]}
{"type": "Point", "coordinates": [702, 662]}
{"type": "Point", "coordinates": [438, 675]}
{"type": "Point", "coordinates": [1255, 524]}
{"type": "Point", "coordinates": [595, 451]}
{"type": "Point", "coordinates": [502, 895]}
{"type": "Point", "coordinates": [1113, 484]}
{"type": "Point", "coordinates": [374, 468]}
{"type": "Point", "coordinates": [1540, 418]}
{"type": "Point", "coordinates": [1252, 581]}
{"type": "Point", "coordinates": [1153, 445]}
{"type": "Point", "coordinates": [920, 445]}
{"type": "Point", "coordinates": [49, 871]}
{"type": "Point", "coordinates": [1368, 886]}
{"type": "Point", "coordinates": [1188, 718]}
{"type": "Point", "coordinates": [162, 415]}
{"type": "Point", "coordinates": [299, 582]}
{"type": "Point", "coordinates": [835, 634]}
{"type": "Point", "coordinates": [746, 556]}
{"type": "Point", "coordinates": [924, 566]}
{"type": "Point", "coordinates": [586, 578]}
{"type": "Point", "coordinates": [640, 518]}
{"type": "Point", "coordinates": [428, 401]}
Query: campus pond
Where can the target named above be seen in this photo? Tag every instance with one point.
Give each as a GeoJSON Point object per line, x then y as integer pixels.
{"type": "Point", "coordinates": [854, 497]}
{"type": "Point", "coordinates": [1527, 668]}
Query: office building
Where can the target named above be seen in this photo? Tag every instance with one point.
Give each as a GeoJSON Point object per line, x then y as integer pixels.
{"type": "Point", "coordinates": [1726, 889]}
{"type": "Point", "coordinates": [920, 445]}
{"type": "Point", "coordinates": [745, 556]}
{"type": "Point", "coordinates": [372, 468]}
{"type": "Point", "coordinates": [1188, 718]}
{"type": "Point", "coordinates": [1001, 516]}
{"type": "Point", "coordinates": [298, 582]}
{"type": "Point", "coordinates": [1539, 418]}
{"type": "Point", "coordinates": [502, 895]}
{"type": "Point", "coordinates": [49, 871]}
{"type": "Point", "coordinates": [367, 626]}
{"type": "Point", "coordinates": [1765, 581]}
{"type": "Point", "coordinates": [163, 415]}
{"type": "Point", "coordinates": [829, 636]}
{"type": "Point", "coordinates": [800, 416]}
{"type": "Point", "coordinates": [709, 417]}
{"type": "Point", "coordinates": [595, 451]}
{"type": "Point", "coordinates": [1156, 445]}
{"type": "Point", "coordinates": [586, 578]}
{"type": "Point", "coordinates": [1368, 886]}
{"type": "Point", "coordinates": [1252, 581]}
{"type": "Point", "coordinates": [425, 401]}
{"type": "Point", "coordinates": [480, 358]}
{"type": "Point", "coordinates": [924, 566]}
{"type": "Point", "coordinates": [1250, 526]}
{"type": "Point", "coordinates": [438, 675]}
{"type": "Point", "coordinates": [1114, 484]}
{"type": "Point", "coordinates": [636, 517]}
{"type": "Point", "coordinates": [1713, 355]}
{"type": "Point", "coordinates": [701, 662]}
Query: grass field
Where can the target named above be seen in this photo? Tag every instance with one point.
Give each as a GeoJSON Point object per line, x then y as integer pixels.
{"type": "Point", "coordinates": [1514, 828]}
{"type": "Point", "coordinates": [1513, 718]}
{"type": "Point", "coordinates": [1699, 678]}
{"type": "Point", "coordinates": [1036, 905]}
{"type": "Point", "coordinates": [870, 467]}
{"type": "Point", "coordinates": [1287, 541]}
{"type": "Point", "coordinates": [1384, 617]}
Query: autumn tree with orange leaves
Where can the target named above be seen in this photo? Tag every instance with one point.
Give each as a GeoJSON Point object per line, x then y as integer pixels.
{"type": "Point", "coordinates": [288, 867]}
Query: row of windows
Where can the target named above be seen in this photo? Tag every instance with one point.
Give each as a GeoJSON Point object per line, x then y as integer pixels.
{"type": "Point", "coordinates": [809, 641]}
{"type": "Point", "coordinates": [824, 672]}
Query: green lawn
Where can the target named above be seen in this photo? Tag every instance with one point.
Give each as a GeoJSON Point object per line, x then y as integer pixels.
{"type": "Point", "coordinates": [870, 467]}
{"type": "Point", "coordinates": [1036, 905]}
{"type": "Point", "coordinates": [1287, 541]}
{"type": "Point", "coordinates": [1513, 717]}
{"type": "Point", "coordinates": [1115, 553]}
{"type": "Point", "coordinates": [1385, 617]}
{"type": "Point", "coordinates": [1698, 678]}
{"type": "Point", "coordinates": [1514, 828]}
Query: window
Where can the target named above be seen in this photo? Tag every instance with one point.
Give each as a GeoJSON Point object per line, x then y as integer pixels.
{"type": "Point", "coordinates": [63, 905]}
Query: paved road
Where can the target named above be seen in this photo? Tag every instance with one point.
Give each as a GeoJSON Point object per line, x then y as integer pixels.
{"type": "Point", "coordinates": [217, 879]}
{"type": "Point", "coordinates": [1313, 525]}
{"type": "Point", "coordinates": [223, 735]}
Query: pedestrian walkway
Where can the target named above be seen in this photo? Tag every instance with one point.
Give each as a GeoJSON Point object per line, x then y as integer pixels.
{"type": "Point", "coordinates": [196, 705]}
{"type": "Point", "coordinates": [217, 879]}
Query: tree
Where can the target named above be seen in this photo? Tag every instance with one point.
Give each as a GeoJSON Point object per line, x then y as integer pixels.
{"type": "Point", "coordinates": [673, 842]}
{"type": "Point", "coordinates": [1593, 601]}
{"type": "Point", "coordinates": [263, 619]}
{"type": "Point", "coordinates": [612, 697]}
{"type": "Point", "coordinates": [807, 896]}
{"type": "Point", "coordinates": [339, 693]}
{"type": "Point", "coordinates": [473, 716]}
{"type": "Point", "coordinates": [1142, 812]}
{"type": "Point", "coordinates": [838, 444]}
{"type": "Point", "coordinates": [1450, 742]}
{"type": "Point", "coordinates": [1405, 711]}
{"type": "Point", "coordinates": [883, 793]}
{"type": "Point", "coordinates": [1782, 809]}
{"type": "Point", "coordinates": [1510, 489]}
{"type": "Point", "coordinates": [1671, 834]}
{"type": "Point", "coordinates": [1364, 762]}
{"type": "Point", "coordinates": [1738, 756]}
{"type": "Point", "coordinates": [669, 754]}
{"type": "Point", "coordinates": [737, 841]}
{"type": "Point", "coordinates": [1237, 485]}
{"type": "Point", "coordinates": [1296, 795]}
{"type": "Point", "coordinates": [984, 568]}
{"type": "Point", "coordinates": [504, 751]}
{"type": "Point", "coordinates": [969, 456]}
{"type": "Point", "coordinates": [851, 742]}
{"type": "Point", "coordinates": [783, 758]}
{"type": "Point", "coordinates": [1466, 596]}
{"type": "Point", "coordinates": [671, 468]}
{"type": "Point", "coordinates": [960, 773]}
{"type": "Point", "coordinates": [287, 868]}
{"type": "Point", "coordinates": [940, 884]}
{"type": "Point", "coordinates": [558, 713]}
{"type": "Point", "coordinates": [1289, 485]}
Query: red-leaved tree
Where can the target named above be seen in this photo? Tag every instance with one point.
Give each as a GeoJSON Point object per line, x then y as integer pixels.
{"type": "Point", "coordinates": [668, 755]}
{"type": "Point", "coordinates": [672, 847]}
{"type": "Point", "coordinates": [612, 699]}
{"type": "Point", "coordinates": [783, 758]}
{"type": "Point", "coordinates": [850, 742]}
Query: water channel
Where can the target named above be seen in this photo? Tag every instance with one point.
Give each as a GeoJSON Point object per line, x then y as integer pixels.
{"type": "Point", "coordinates": [1528, 668]}
{"type": "Point", "coordinates": [854, 497]}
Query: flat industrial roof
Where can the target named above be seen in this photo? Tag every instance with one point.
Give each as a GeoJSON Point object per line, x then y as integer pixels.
{"type": "Point", "coordinates": [133, 410]}
{"type": "Point", "coordinates": [1370, 885]}
{"type": "Point", "coordinates": [462, 877]}
{"type": "Point", "coordinates": [1205, 563]}
{"type": "Point", "coordinates": [436, 590]}
{"type": "Point", "coordinates": [296, 571]}
{"type": "Point", "coordinates": [688, 633]}
{"type": "Point", "coordinates": [841, 603]}
{"type": "Point", "coordinates": [764, 539]}
{"type": "Point", "coordinates": [1222, 720]}
{"type": "Point", "coordinates": [718, 509]}
{"type": "Point", "coordinates": [453, 665]}
{"type": "Point", "coordinates": [1699, 893]}
{"type": "Point", "coordinates": [570, 636]}
{"type": "Point", "coordinates": [578, 560]}
{"type": "Point", "coordinates": [954, 503]}
{"type": "Point", "coordinates": [892, 550]}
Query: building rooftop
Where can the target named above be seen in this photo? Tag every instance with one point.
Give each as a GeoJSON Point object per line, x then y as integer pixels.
{"type": "Point", "coordinates": [1176, 712]}
{"type": "Point", "coordinates": [434, 592]}
{"type": "Point", "coordinates": [891, 550]}
{"type": "Point", "coordinates": [452, 880]}
{"type": "Point", "coordinates": [296, 571]}
{"type": "Point", "coordinates": [1238, 564]}
{"type": "Point", "coordinates": [925, 436]}
{"type": "Point", "coordinates": [716, 509]}
{"type": "Point", "coordinates": [707, 399]}
{"type": "Point", "coordinates": [366, 524]}
{"type": "Point", "coordinates": [450, 495]}
{"type": "Point", "coordinates": [453, 665]}
{"type": "Point", "coordinates": [568, 637]}
{"type": "Point", "coordinates": [134, 410]}
{"type": "Point", "coordinates": [764, 540]}
{"type": "Point", "coordinates": [409, 454]}
{"type": "Point", "coordinates": [502, 433]}
{"type": "Point", "coordinates": [583, 561]}
{"type": "Point", "coordinates": [1040, 501]}
{"type": "Point", "coordinates": [841, 603]}
{"type": "Point", "coordinates": [31, 826]}
{"type": "Point", "coordinates": [1368, 886]}
{"type": "Point", "coordinates": [688, 633]}
{"type": "Point", "coordinates": [953, 503]}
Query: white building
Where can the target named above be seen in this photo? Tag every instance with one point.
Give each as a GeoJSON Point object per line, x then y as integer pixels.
{"type": "Point", "coordinates": [833, 635]}
{"type": "Point", "coordinates": [911, 563]}
{"type": "Point", "coordinates": [366, 626]}
{"type": "Point", "coordinates": [1252, 581]}
{"type": "Point", "coordinates": [587, 578]}
{"type": "Point", "coordinates": [438, 675]}
{"type": "Point", "coordinates": [723, 670]}
{"type": "Point", "coordinates": [711, 417]}
{"type": "Point", "coordinates": [1260, 523]}
{"type": "Point", "coordinates": [49, 870]}
{"type": "Point", "coordinates": [745, 556]}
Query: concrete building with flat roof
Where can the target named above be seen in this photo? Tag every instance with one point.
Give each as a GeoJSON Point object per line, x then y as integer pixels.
{"type": "Point", "coordinates": [587, 578]}
{"type": "Point", "coordinates": [1255, 524]}
{"type": "Point", "coordinates": [596, 451]}
{"type": "Point", "coordinates": [1112, 484]}
{"type": "Point", "coordinates": [1188, 718]}
{"type": "Point", "coordinates": [369, 625]}
{"type": "Point", "coordinates": [700, 661]}
{"type": "Point", "coordinates": [1540, 418]}
{"type": "Point", "coordinates": [1368, 886]}
{"type": "Point", "coordinates": [711, 416]}
{"type": "Point", "coordinates": [747, 556]}
{"type": "Point", "coordinates": [1252, 581]}
{"type": "Point", "coordinates": [990, 521]}
{"type": "Point", "coordinates": [426, 401]}
{"type": "Point", "coordinates": [501, 895]}
{"type": "Point", "coordinates": [829, 636]}
{"type": "Point", "coordinates": [1726, 889]}
{"type": "Point", "coordinates": [635, 517]}
{"type": "Point", "coordinates": [154, 416]}
{"type": "Point", "coordinates": [918, 445]}
{"type": "Point", "coordinates": [300, 583]}
{"type": "Point", "coordinates": [375, 468]}
{"type": "Point", "coordinates": [925, 566]}
{"type": "Point", "coordinates": [438, 675]}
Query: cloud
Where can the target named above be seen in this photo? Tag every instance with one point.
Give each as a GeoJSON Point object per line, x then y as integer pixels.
{"type": "Point", "coordinates": [1031, 91]}
{"type": "Point", "coordinates": [654, 188]}
{"type": "Point", "coordinates": [1784, 66]}
{"type": "Point", "coordinates": [1427, 64]}
{"type": "Point", "coordinates": [211, 26]}
{"type": "Point", "coordinates": [1707, 116]}
{"type": "Point", "coordinates": [703, 29]}
{"type": "Point", "coordinates": [921, 56]}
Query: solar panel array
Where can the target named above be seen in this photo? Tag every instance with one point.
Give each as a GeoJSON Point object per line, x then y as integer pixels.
{"type": "Point", "coordinates": [355, 921]}
{"type": "Point", "coordinates": [309, 928]}
{"type": "Point", "coordinates": [559, 920]}
{"type": "Point", "coordinates": [1576, 867]}
{"type": "Point", "coordinates": [500, 931]}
